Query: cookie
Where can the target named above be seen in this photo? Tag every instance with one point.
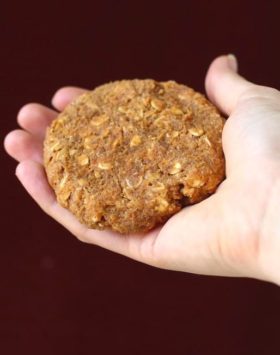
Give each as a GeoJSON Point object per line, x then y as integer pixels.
{"type": "Point", "coordinates": [130, 154]}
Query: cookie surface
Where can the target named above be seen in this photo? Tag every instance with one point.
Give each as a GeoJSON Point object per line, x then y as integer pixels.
{"type": "Point", "coordinates": [129, 154]}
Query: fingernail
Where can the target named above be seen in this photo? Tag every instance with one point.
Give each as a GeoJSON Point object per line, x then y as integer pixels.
{"type": "Point", "coordinates": [232, 62]}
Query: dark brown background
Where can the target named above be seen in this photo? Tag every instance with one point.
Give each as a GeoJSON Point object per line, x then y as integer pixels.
{"type": "Point", "coordinates": [59, 296]}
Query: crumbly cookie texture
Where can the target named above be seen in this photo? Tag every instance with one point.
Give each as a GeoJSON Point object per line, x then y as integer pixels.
{"type": "Point", "coordinates": [130, 154]}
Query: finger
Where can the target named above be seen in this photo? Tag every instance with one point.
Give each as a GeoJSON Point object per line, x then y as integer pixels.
{"type": "Point", "coordinates": [66, 95]}
{"type": "Point", "coordinates": [32, 176]}
{"type": "Point", "coordinates": [35, 118]}
{"type": "Point", "coordinates": [223, 85]}
{"type": "Point", "coordinates": [22, 145]}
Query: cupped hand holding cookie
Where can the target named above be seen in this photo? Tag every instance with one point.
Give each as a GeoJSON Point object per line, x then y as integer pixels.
{"type": "Point", "coordinates": [235, 232]}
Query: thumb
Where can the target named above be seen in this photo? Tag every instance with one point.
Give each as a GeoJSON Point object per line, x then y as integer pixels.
{"type": "Point", "coordinates": [223, 84]}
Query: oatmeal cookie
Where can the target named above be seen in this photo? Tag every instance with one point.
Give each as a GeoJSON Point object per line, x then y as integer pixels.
{"type": "Point", "coordinates": [129, 154]}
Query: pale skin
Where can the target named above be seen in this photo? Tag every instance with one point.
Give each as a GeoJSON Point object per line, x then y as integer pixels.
{"type": "Point", "coordinates": [235, 232]}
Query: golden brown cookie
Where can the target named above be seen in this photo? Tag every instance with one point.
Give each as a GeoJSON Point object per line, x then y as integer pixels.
{"type": "Point", "coordinates": [129, 154]}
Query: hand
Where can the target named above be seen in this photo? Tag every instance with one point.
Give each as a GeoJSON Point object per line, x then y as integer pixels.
{"type": "Point", "coordinates": [233, 232]}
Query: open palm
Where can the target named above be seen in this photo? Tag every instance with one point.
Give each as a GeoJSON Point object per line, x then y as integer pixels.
{"type": "Point", "coordinates": [218, 236]}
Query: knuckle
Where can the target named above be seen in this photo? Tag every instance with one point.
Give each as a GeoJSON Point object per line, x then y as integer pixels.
{"type": "Point", "coordinates": [82, 236]}
{"type": "Point", "coordinates": [250, 93]}
{"type": "Point", "coordinates": [259, 92]}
